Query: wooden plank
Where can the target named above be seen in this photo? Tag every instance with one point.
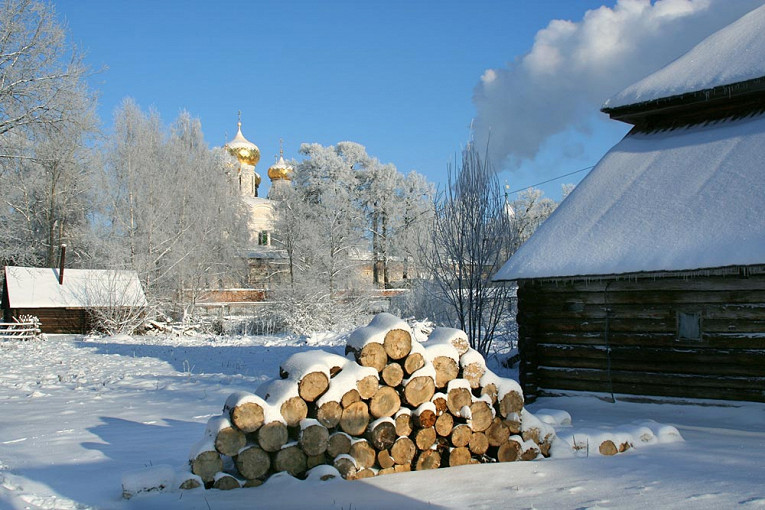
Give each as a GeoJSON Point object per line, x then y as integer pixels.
{"type": "Point", "coordinates": [744, 357]}
{"type": "Point", "coordinates": [698, 283]}
{"type": "Point", "coordinates": [655, 384]}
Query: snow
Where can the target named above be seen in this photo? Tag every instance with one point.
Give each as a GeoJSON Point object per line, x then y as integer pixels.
{"type": "Point", "coordinates": [731, 55]}
{"type": "Point", "coordinates": [668, 201]}
{"type": "Point", "coordinates": [111, 407]}
{"type": "Point", "coordinates": [346, 381]}
{"type": "Point", "coordinates": [446, 350]}
{"type": "Point", "coordinates": [471, 356]}
{"type": "Point", "coordinates": [33, 287]}
{"type": "Point", "coordinates": [450, 336]}
{"type": "Point", "coordinates": [376, 330]}
{"type": "Point", "coordinates": [302, 363]}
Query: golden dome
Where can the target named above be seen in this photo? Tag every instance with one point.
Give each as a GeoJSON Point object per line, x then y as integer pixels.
{"type": "Point", "coordinates": [280, 170]}
{"type": "Point", "coordinates": [242, 149]}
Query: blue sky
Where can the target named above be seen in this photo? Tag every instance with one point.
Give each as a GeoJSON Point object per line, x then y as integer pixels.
{"type": "Point", "coordinates": [396, 76]}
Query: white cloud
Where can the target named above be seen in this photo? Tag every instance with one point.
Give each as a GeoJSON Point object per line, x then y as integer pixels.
{"type": "Point", "coordinates": [573, 67]}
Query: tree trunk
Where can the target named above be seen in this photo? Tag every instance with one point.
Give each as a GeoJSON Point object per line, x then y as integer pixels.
{"type": "Point", "coordinates": [314, 439]}
{"type": "Point", "coordinates": [498, 433]}
{"type": "Point", "coordinates": [364, 454]}
{"type": "Point", "coordinates": [313, 385]}
{"type": "Point", "coordinates": [413, 363]}
{"type": "Point", "coordinates": [329, 414]}
{"type": "Point", "coordinates": [459, 456]}
{"type": "Point", "coordinates": [512, 402]}
{"type": "Point", "coordinates": [350, 397]}
{"type": "Point", "coordinates": [419, 390]}
{"type": "Point", "coordinates": [293, 410]}
{"type": "Point", "coordinates": [368, 386]}
{"type": "Point", "coordinates": [385, 403]}
{"type": "Point", "coordinates": [346, 466]}
{"type": "Point", "coordinates": [403, 451]}
{"type": "Point", "coordinates": [481, 416]}
{"type": "Point", "coordinates": [461, 435]}
{"type": "Point", "coordinates": [384, 460]}
{"type": "Point", "coordinates": [404, 424]}
{"type": "Point", "coordinates": [272, 436]}
{"type": "Point", "coordinates": [457, 398]}
{"type": "Point", "coordinates": [428, 459]}
{"type": "Point", "coordinates": [397, 344]}
{"type": "Point", "coordinates": [446, 370]}
{"type": "Point", "coordinates": [206, 465]}
{"type": "Point", "coordinates": [425, 438]}
{"type": "Point", "coordinates": [423, 416]}
{"type": "Point", "coordinates": [478, 444]}
{"type": "Point", "coordinates": [382, 434]}
{"type": "Point", "coordinates": [339, 444]}
{"type": "Point", "coordinates": [290, 459]}
{"type": "Point", "coordinates": [393, 374]}
{"type": "Point", "coordinates": [509, 451]}
{"type": "Point", "coordinates": [355, 419]}
{"type": "Point", "coordinates": [444, 425]}
{"type": "Point", "coordinates": [247, 416]}
{"type": "Point", "coordinates": [371, 355]}
{"type": "Point", "coordinates": [253, 462]}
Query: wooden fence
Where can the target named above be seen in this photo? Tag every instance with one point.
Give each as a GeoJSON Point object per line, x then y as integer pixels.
{"type": "Point", "coordinates": [19, 330]}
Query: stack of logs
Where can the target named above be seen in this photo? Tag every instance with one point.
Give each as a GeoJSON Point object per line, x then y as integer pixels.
{"type": "Point", "coordinates": [392, 405]}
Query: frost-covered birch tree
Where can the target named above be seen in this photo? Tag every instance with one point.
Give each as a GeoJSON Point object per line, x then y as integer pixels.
{"type": "Point", "coordinates": [174, 215]}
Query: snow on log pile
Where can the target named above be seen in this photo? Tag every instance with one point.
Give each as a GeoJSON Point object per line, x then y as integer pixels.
{"type": "Point", "coordinates": [391, 405]}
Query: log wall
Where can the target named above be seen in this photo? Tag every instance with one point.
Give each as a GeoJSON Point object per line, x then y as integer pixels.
{"type": "Point", "coordinates": [621, 336]}
{"type": "Point", "coordinates": [57, 320]}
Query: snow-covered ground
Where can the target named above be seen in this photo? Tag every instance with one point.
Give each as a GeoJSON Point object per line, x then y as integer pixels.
{"type": "Point", "coordinates": [77, 413]}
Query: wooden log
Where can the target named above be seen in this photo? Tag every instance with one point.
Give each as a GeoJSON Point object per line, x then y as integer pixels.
{"type": "Point", "coordinates": [428, 459]}
{"type": "Point", "coordinates": [479, 444]}
{"type": "Point", "coordinates": [402, 468]}
{"type": "Point", "coordinates": [498, 432]}
{"type": "Point", "coordinates": [206, 462]}
{"type": "Point", "coordinates": [513, 422]}
{"type": "Point", "coordinates": [385, 402]}
{"type": "Point", "coordinates": [346, 466]}
{"type": "Point", "coordinates": [293, 410]}
{"type": "Point", "coordinates": [314, 438]}
{"type": "Point", "coordinates": [386, 471]}
{"type": "Point", "coordinates": [510, 451]}
{"type": "Point", "coordinates": [255, 482]}
{"type": "Point", "coordinates": [350, 397]}
{"type": "Point", "coordinates": [458, 396]}
{"type": "Point", "coordinates": [315, 460]}
{"type": "Point", "coordinates": [403, 451]}
{"type": "Point", "coordinates": [425, 438]}
{"type": "Point", "coordinates": [355, 418]}
{"type": "Point", "coordinates": [459, 456]}
{"type": "Point", "coordinates": [481, 415]}
{"type": "Point", "coordinates": [424, 416]}
{"type": "Point", "coordinates": [225, 482]}
{"type": "Point", "coordinates": [473, 367]}
{"type": "Point", "coordinates": [418, 390]}
{"type": "Point", "coordinates": [447, 370]}
{"type": "Point", "coordinates": [530, 452]}
{"type": "Point", "coordinates": [228, 439]}
{"type": "Point", "coordinates": [608, 447]}
{"type": "Point", "coordinates": [511, 402]}
{"type": "Point", "coordinates": [392, 374]}
{"type": "Point", "coordinates": [370, 355]}
{"type": "Point", "coordinates": [368, 386]}
{"type": "Point", "coordinates": [365, 473]}
{"type": "Point", "coordinates": [414, 362]}
{"type": "Point", "coordinates": [300, 364]}
{"type": "Point", "coordinates": [312, 385]}
{"type": "Point", "coordinates": [491, 391]}
{"type": "Point", "coordinates": [450, 336]}
{"type": "Point", "coordinates": [245, 411]}
{"type": "Point", "coordinates": [253, 462]}
{"type": "Point", "coordinates": [385, 460]}
{"type": "Point", "coordinates": [272, 436]}
{"type": "Point", "coordinates": [329, 414]}
{"type": "Point", "coordinates": [382, 433]}
{"type": "Point", "coordinates": [397, 343]}
{"type": "Point", "coordinates": [461, 435]}
{"type": "Point", "coordinates": [444, 425]}
{"type": "Point", "coordinates": [339, 443]}
{"type": "Point", "coordinates": [404, 423]}
{"type": "Point", "coordinates": [363, 452]}
{"type": "Point", "coordinates": [290, 459]}
{"type": "Point", "coordinates": [439, 400]}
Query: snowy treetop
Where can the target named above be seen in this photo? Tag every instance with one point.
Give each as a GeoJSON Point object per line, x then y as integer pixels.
{"type": "Point", "coordinates": [686, 199]}
{"type": "Point", "coordinates": [733, 54]}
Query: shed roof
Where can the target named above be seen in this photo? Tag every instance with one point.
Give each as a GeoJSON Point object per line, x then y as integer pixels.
{"type": "Point", "coordinates": [33, 287]}
{"type": "Point", "coordinates": [685, 199]}
{"type": "Point", "coordinates": [731, 55]}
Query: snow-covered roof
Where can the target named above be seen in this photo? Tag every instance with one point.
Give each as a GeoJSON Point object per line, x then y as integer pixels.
{"type": "Point", "coordinates": [685, 199]}
{"type": "Point", "coordinates": [733, 54]}
{"type": "Point", "coordinates": [33, 287]}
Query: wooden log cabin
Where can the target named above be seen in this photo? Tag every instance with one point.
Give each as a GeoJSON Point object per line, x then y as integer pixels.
{"type": "Point", "coordinates": [64, 300]}
{"type": "Point", "coordinates": [649, 279]}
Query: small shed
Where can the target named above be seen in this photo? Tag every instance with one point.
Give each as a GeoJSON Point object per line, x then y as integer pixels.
{"type": "Point", "coordinates": [649, 278]}
{"type": "Point", "coordinates": [64, 302]}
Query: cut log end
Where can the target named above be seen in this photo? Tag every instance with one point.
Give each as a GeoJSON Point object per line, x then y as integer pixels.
{"type": "Point", "coordinates": [397, 343]}
{"type": "Point", "coordinates": [312, 385]}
